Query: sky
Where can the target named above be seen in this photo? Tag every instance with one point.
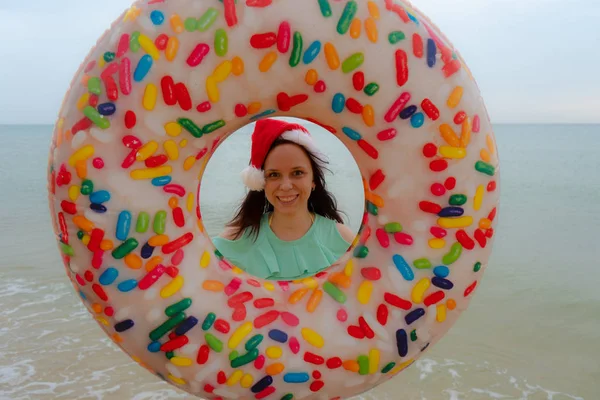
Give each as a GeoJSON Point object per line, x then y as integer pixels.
{"type": "Point", "coordinates": [536, 61]}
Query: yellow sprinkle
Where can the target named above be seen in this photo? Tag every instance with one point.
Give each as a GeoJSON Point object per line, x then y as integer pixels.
{"type": "Point", "coordinates": [149, 47]}
{"type": "Point", "coordinates": [237, 270]}
{"type": "Point", "coordinates": [172, 48]}
{"type": "Point", "coordinates": [364, 292]}
{"type": "Point", "coordinates": [133, 261]}
{"type": "Point", "coordinates": [83, 101]}
{"type": "Point", "coordinates": [373, 9]}
{"type": "Point", "coordinates": [371, 29]}
{"type": "Point", "coordinates": [181, 361]}
{"type": "Point", "coordinates": [132, 14]}
{"type": "Point", "coordinates": [348, 268]}
{"type": "Point", "coordinates": [247, 381]}
{"type": "Point", "coordinates": [237, 66]}
{"type": "Point", "coordinates": [437, 243]}
{"type": "Point", "coordinates": [373, 361]}
{"type": "Point", "coordinates": [190, 202]}
{"type": "Point", "coordinates": [239, 334]}
{"type": "Point", "coordinates": [267, 61]}
{"type": "Point", "coordinates": [205, 259]}
{"type": "Point", "coordinates": [81, 155]}
{"type": "Point", "coordinates": [176, 23]}
{"type": "Point", "coordinates": [490, 144]}
{"type": "Point", "coordinates": [254, 107]}
{"type": "Point", "coordinates": [458, 222]}
{"type": "Point", "coordinates": [400, 367]}
{"type": "Point", "coordinates": [212, 90]}
{"type": "Point", "coordinates": [171, 149]}
{"type": "Point", "coordinates": [478, 197]}
{"type": "Point", "coordinates": [83, 223]}
{"type": "Point", "coordinates": [355, 28]}
{"type": "Point", "coordinates": [368, 114]}
{"type": "Point", "coordinates": [441, 313]}
{"type": "Point", "coordinates": [172, 287]}
{"type": "Point", "coordinates": [418, 292]}
{"type": "Point", "coordinates": [332, 57]}
{"type": "Point", "coordinates": [85, 239]}
{"type": "Point", "coordinates": [312, 337]}
{"type": "Point", "coordinates": [274, 352]}
{"type": "Point", "coordinates": [449, 136]}
{"type": "Point", "coordinates": [222, 71]}
{"type": "Point", "coordinates": [235, 377]}
{"type": "Point", "coordinates": [150, 95]}
{"type": "Point", "coordinates": [269, 286]}
{"type": "Point", "coordinates": [150, 173]}
{"type": "Point", "coordinates": [189, 163]}
{"type": "Point", "coordinates": [465, 136]}
{"type": "Point", "coordinates": [455, 97]}
{"type": "Point", "coordinates": [452, 152]}
{"type": "Point", "coordinates": [485, 155]}
{"type": "Point", "coordinates": [101, 62]}
{"type": "Point", "coordinates": [173, 129]}
{"type": "Point", "coordinates": [74, 192]}
{"type": "Point", "coordinates": [146, 151]}
{"type": "Point", "coordinates": [102, 321]}
{"type": "Point", "coordinates": [311, 77]}
{"type": "Point", "coordinates": [310, 282]}
{"type": "Point", "coordinates": [158, 240]}
{"type": "Point", "coordinates": [176, 379]}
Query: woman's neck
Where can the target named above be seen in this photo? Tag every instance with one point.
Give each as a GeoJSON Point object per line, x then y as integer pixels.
{"type": "Point", "coordinates": [291, 226]}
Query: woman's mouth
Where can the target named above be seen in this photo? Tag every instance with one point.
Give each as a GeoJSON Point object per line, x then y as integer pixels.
{"type": "Point", "coordinates": [287, 200]}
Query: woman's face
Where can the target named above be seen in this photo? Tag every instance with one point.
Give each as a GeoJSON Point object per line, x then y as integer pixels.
{"type": "Point", "coordinates": [289, 178]}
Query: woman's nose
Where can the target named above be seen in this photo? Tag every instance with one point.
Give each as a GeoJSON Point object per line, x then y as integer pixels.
{"type": "Point", "coordinates": [286, 184]}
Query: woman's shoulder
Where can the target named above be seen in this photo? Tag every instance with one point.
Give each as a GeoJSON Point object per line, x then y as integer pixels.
{"type": "Point", "coordinates": [333, 226]}
{"type": "Point", "coordinates": [346, 232]}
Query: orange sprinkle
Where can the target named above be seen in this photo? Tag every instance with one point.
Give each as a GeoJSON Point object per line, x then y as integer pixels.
{"type": "Point", "coordinates": [490, 144]}
{"type": "Point", "coordinates": [213, 286]}
{"type": "Point", "coordinates": [173, 203]}
{"type": "Point", "coordinates": [312, 76]}
{"type": "Point", "coordinates": [254, 107]}
{"type": "Point", "coordinates": [368, 114]}
{"type": "Point", "coordinates": [172, 48]}
{"type": "Point", "coordinates": [275, 369]}
{"type": "Point", "coordinates": [340, 279]}
{"type": "Point", "coordinates": [238, 66]}
{"type": "Point", "coordinates": [332, 57]}
{"type": "Point", "coordinates": [449, 135]}
{"type": "Point", "coordinates": [106, 245]}
{"type": "Point", "coordinates": [485, 155]}
{"type": "Point", "coordinates": [267, 61]}
{"type": "Point", "coordinates": [153, 262]}
{"type": "Point", "coordinates": [451, 304]}
{"type": "Point", "coordinates": [314, 300]}
{"type": "Point", "coordinates": [158, 240]}
{"type": "Point", "coordinates": [351, 365]}
{"type": "Point", "coordinates": [355, 28]}
{"type": "Point", "coordinates": [465, 136]}
{"type": "Point", "coordinates": [83, 223]}
{"type": "Point", "coordinates": [485, 223]}
{"type": "Point", "coordinates": [371, 29]}
{"type": "Point", "coordinates": [97, 308]}
{"type": "Point", "coordinates": [117, 338]}
{"type": "Point", "coordinates": [176, 23]}
{"type": "Point", "coordinates": [297, 295]}
{"type": "Point", "coordinates": [133, 261]}
{"type": "Point", "coordinates": [373, 9]}
{"type": "Point", "coordinates": [373, 198]}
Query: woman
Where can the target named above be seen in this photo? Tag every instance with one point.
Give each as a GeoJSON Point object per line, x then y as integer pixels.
{"type": "Point", "coordinates": [288, 226]}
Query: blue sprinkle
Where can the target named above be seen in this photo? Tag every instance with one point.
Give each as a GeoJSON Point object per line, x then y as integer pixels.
{"type": "Point", "coordinates": [99, 208]}
{"type": "Point", "coordinates": [402, 342]}
{"type": "Point", "coordinates": [441, 271]}
{"type": "Point", "coordinates": [146, 251]}
{"type": "Point", "coordinates": [99, 197]}
{"type": "Point", "coordinates": [263, 114]}
{"type": "Point", "coordinates": [417, 120]}
{"type": "Point", "coordinates": [412, 18]}
{"type": "Point", "coordinates": [351, 133]}
{"type": "Point", "coordinates": [278, 336]}
{"type": "Point", "coordinates": [451, 212]}
{"type": "Point", "coordinates": [157, 17]}
{"type": "Point", "coordinates": [312, 52]}
{"type": "Point", "coordinates": [127, 286]}
{"type": "Point", "coordinates": [186, 325]}
{"type": "Point", "coordinates": [414, 315]}
{"type": "Point", "coordinates": [123, 225]}
{"type": "Point", "coordinates": [154, 347]}
{"type": "Point", "coordinates": [108, 276]}
{"type": "Point", "coordinates": [262, 384]}
{"type": "Point", "coordinates": [124, 325]}
{"type": "Point", "coordinates": [107, 109]}
{"type": "Point", "coordinates": [338, 103]}
{"type": "Point", "coordinates": [296, 377]}
{"type": "Point", "coordinates": [82, 295]}
{"type": "Point", "coordinates": [142, 68]}
{"type": "Point", "coordinates": [403, 267]}
{"type": "Point", "coordinates": [161, 180]}
{"type": "Point", "coordinates": [442, 283]}
{"type": "Point", "coordinates": [431, 50]}
{"type": "Point", "coordinates": [408, 112]}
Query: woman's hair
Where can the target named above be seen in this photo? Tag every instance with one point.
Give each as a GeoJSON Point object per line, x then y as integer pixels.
{"type": "Point", "coordinates": [255, 204]}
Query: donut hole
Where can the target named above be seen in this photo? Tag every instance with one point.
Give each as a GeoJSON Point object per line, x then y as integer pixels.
{"type": "Point", "coordinates": [222, 191]}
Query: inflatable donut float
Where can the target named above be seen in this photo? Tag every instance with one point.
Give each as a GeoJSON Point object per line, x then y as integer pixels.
{"type": "Point", "coordinates": [166, 85]}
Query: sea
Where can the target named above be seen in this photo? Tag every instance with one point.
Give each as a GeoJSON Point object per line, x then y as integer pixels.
{"type": "Point", "coordinates": [532, 331]}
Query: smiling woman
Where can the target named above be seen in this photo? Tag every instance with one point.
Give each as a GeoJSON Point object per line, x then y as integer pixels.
{"type": "Point", "coordinates": [288, 225]}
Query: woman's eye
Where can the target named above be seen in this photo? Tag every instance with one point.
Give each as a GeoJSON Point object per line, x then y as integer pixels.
{"type": "Point", "coordinates": [273, 175]}
{"type": "Point", "coordinates": [298, 173]}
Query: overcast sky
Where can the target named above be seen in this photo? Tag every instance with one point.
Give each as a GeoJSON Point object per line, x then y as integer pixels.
{"type": "Point", "coordinates": [534, 60]}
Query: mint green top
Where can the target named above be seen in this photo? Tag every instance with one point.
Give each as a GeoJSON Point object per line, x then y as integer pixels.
{"type": "Point", "coordinates": [272, 258]}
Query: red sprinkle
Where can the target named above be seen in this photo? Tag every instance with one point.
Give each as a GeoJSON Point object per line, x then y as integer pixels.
{"type": "Point", "coordinates": [354, 106]}
{"type": "Point", "coordinates": [129, 160]}
{"type": "Point", "coordinates": [294, 345]}
{"type": "Point", "coordinates": [172, 271]}
{"type": "Point", "coordinates": [175, 344]}
{"type": "Point", "coordinates": [438, 165]}
{"type": "Point", "coordinates": [109, 311]}
{"type": "Point", "coordinates": [489, 233]}
{"type": "Point", "coordinates": [491, 186]}
{"type": "Point", "coordinates": [387, 134]}
{"type": "Point", "coordinates": [68, 207]}
{"type": "Point", "coordinates": [320, 87]}
{"type": "Point", "coordinates": [230, 12]}
{"type": "Point", "coordinates": [95, 238]}
{"type": "Point", "coordinates": [241, 110]}
{"type": "Point", "coordinates": [156, 161]}
{"type": "Point", "coordinates": [239, 313]}
{"type": "Point", "coordinates": [151, 277]}
{"type": "Point", "coordinates": [356, 332]}
{"type": "Point", "coordinates": [93, 101]}
{"type": "Point", "coordinates": [222, 326]}
{"type": "Point", "coordinates": [208, 388]}
{"type": "Point", "coordinates": [183, 96]}
{"type": "Point", "coordinates": [98, 163]}
{"type": "Point", "coordinates": [259, 362]}
{"type": "Point", "coordinates": [198, 54]}
{"type": "Point", "coordinates": [417, 43]}
{"type": "Point", "coordinates": [403, 238]}
{"type": "Point", "coordinates": [438, 232]}
{"type": "Point", "coordinates": [81, 125]}
{"type": "Point", "coordinates": [204, 107]}
{"type": "Point", "coordinates": [178, 217]}
{"type": "Point", "coordinates": [430, 109]}
{"type": "Point", "coordinates": [161, 41]}
{"type": "Point", "coordinates": [316, 386]}
{"type": "Point", "coordinates": [460, 117]}
{"type": "Point", "coordinates": [263, 40]}
{"type": "Point", "coordinates": [382, 238]}
{"type": "Point", "coordinates": [401, 67]}
{"type": "Point", "coordinates": [266, 392]}
{"type": "Point", "coordinates": [97, 259]}
{"type": "Point", "coordinates": [265, 319]}
{"type": "Point", "coordinates": [476, 124]}
{"type": "Point", "coordinates": [366, 328]}
{"type": "Point", "coordinates": [99, 292]}
{"type": "Point", "coordinates": [239, 298]}
{"type": "Point", "coordinates": [376, 179]}
{"type": "Point", "coordinates": [430, 207]}
{"type": "Point", "coordinates": [284, 35]}
{"type": "Point", "coordinates": [437, 189]}
{"type": "Point", "coordinates": [358, 80]}
{"type": "Point", "coordinates": [464, 239]}
{"type": "Point", "coordinates": [79, 280]}
{"type": "Point", "coordinates": [178, 243]}
{"type": "Point", "coordinates": [368, 148]}
{"type": "Point", "coordinates": [264, 302]}
{"type": "Point", "coordinates": [434, 298]}
{"type": "Point", "coordinates": [382, 314]}
{"type": "Point", "coordinates": [112, 92]}
{"type": "Point", "coordinates": [89, 275]}
{"type": "Point", "coordinates": [202, 357]}
{"type": "Point", "coordinates": [480, 237]}
{"type": "Point", "coordinates": [316, 374]}
{"type": "Point", "coordinates": [396, 301]}
{"type": "Point", "coordinates": [132, 142]}
{"type": "Point", "coordinates": [492, 214]}
{"type": "Point", "coordinates": [130, 119]}
{"type": "Point", "coordinates": [470, 289]}
{"type": "Point", "coordinates": [450, 183]}
{"type": "Point", "coordinates": [334, 362]}
{"type": "Point", "coordinates": [371, 273]}
{"type": "Point", "coordinates": [451, 68]}
{"type": "Point", "coordinates": [313, 358]}
{"type": "Point", "coordinates": [174, 189]}
{"type": "Point", "coordinates": [429, 150]}
{"type": "Point", "coordinates": [221, 378]}
{"type": "Point", "coordinates": [398, 105]}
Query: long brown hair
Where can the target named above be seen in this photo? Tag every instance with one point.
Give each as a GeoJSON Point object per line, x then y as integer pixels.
{"type": "Point", "coordinates": [255, 204]}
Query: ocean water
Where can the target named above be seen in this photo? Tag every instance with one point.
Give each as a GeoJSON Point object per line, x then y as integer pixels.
{"type": "Point", "coordinates": [532, 331]}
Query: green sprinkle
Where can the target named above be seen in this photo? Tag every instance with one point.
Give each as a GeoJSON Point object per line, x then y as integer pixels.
{"type": "Point", "coordinates": [458, 199]}
{"type": "Point", "coordinates": [233, 355]}
{"type": "Point", "coordinates": [353, 62]}
{"type": "Point", "coordinates": [87, 187]}
{"type": "Point", "coordinates": [413, 335]}
{"type": "Point", "coordinates": [134, 43]}
{"type": "Point", "coordinates": [218, 254]}
{"type": "Point", "coordinates": [388, 368]}
{"type": "Point", "coordinates": [334, 292]}
{"type": "Point", "coordinates": [213, 342]}
{"type": "Point", "coordinates": [167, 326]}
{"type": "Point", "coordinates": [190, 24]}
{"type": "Point", "coordinates": [372, 208]}
{"type": "Point", "coordinates": [109, 56]}
{"type": "Point", "coordinates": [253, 342]}
{"type": "Point", "coordinates": [396, 36]}
{"type": "Point", "coordinates": [209, 321]}
{"type": "Point", "coordinates": [363, 365]}
{"type": "Point", "coordinates": [288, 396]}
{"type": "Point", "coordinates": [207, 19]}
{"type": "Point", "coordinates": [422, 263]}
{"type": "Point", "coordinates": [325, 8]}
{"type": "Point", "coordinates": [361, 251]}
{"type": "Point", "coordinates": [94, 85]}
{"type": "Point", "coordinates": [96, 117]}
{"type": "Point", "coordinates": [393, 227]}
{"type": "Point", "coordinates": [80, 235]}
{"type": "Point", "coordinates": [296, 49]}
{"type": "Point", "coordinates": [160, 220]}
{"type": "Point", "coordinates": [170, 354]}
{"type": "Point", "coordinates": [245, 359]}
{"type": "Point", "coordinates": [66, 249]}
{"type": "Point", "coordinates": [477, 266]}
{"type": "Point", "coordinates": [453, 254]}
{"type": "Point", "coordinates": [371, 89]}
{"type": "Point", "coordinates": [213, 126]}
{"type": "Point", "coordinates": [485, 168]}
{"type": "Point", "coordinates": [347, 17]}
{"type": "Point", "coordinates": [125, 248]}
{"type": "Point", "coordinates": [143, 220]}
{"type": "Point", "coordinates": [221, 42]}
{"type": "Point", "coordinates": [178, 307]}
{"type": "Point", "coordinates": [190, 126]}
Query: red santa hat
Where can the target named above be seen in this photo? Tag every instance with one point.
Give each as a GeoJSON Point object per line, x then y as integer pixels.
{"type": "Point", "coordinates": [265, 133]}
